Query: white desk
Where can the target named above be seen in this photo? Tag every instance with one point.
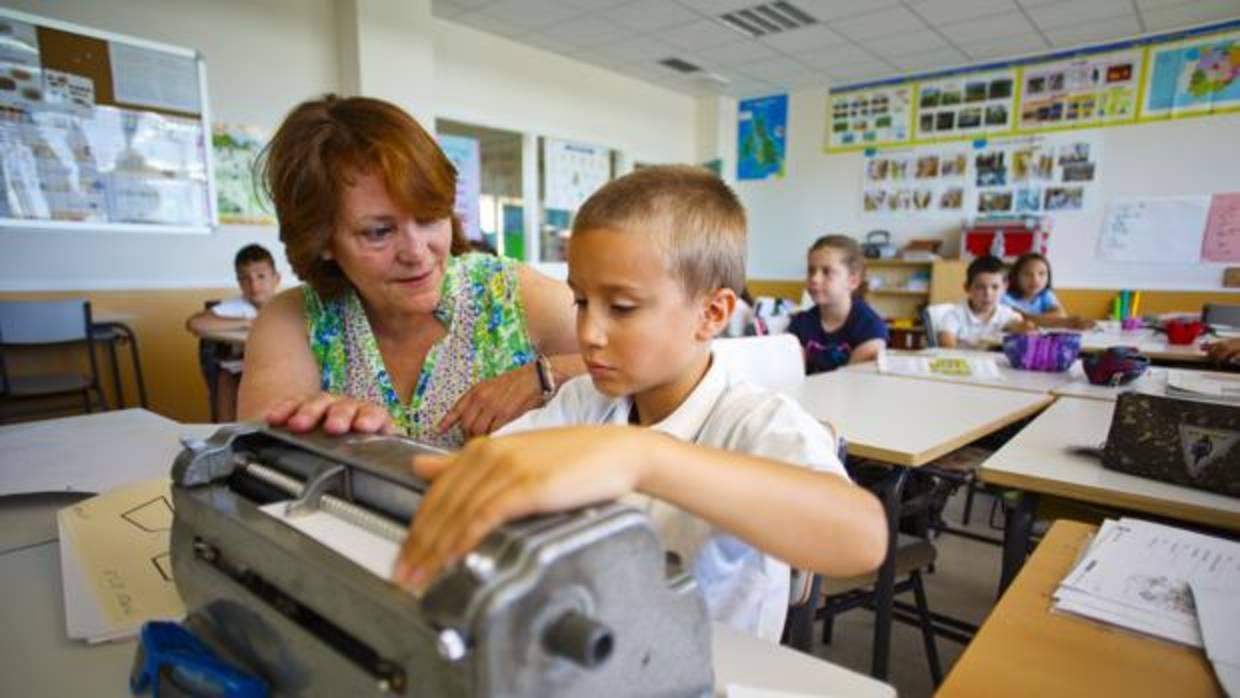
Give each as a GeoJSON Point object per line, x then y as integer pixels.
{"type": "Point", "coordinates": [910, 422]}
{"type": "Point", "coordinates": [235, 337]}
{"type": "Point", "coordinates": [1009, 378]}
{"type": "Point", "coordinates": [1037, 461]}
{"type": "Point", "coordinates": [1154, 382]}
{"type": "Point", "coordinates": [1150, 343]}
{"type": "Point", "coordinates": [39, 658]}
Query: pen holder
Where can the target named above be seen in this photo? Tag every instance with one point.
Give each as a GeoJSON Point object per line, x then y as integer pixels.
{"type": "Point", "coordinates": [1133, 323]}
{"type": "Point", "coordinates": [1053, 351]}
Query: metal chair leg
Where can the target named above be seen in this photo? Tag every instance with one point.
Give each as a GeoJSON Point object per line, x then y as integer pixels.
{"type": "Point", "coordinates": [927, 629]}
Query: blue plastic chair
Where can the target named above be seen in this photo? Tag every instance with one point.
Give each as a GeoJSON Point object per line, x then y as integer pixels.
{"type": "Point", "coordinates": [34, 325]}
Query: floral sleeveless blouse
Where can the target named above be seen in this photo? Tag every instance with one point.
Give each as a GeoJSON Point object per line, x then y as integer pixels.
{"type": "Point", "coordinates": [479, 304]}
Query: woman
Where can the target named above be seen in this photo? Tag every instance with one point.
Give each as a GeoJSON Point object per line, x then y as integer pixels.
{"type": "Point", "coordinates": [396, 330]}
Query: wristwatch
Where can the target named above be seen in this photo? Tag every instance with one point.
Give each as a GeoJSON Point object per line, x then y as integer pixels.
{"type": "Point", "coordinates": [546, 377]}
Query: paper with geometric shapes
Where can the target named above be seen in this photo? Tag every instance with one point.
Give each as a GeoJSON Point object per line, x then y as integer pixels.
{"type": "Point", "coordinates": [120, 538]}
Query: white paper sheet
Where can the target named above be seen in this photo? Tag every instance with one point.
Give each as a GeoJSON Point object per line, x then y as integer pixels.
{"type": "Point", "coordinates": [373, 552]}
{"type": "Point", "coordinates": [1218, 612]}
{"type": "Point", "coordinates": [147, 78]}
{"type": "Point", "coordinates": [1166, 230]}
{"type": "Point", "coordinates": [947, 366]}
{"type": "Point", "coordinates": [1216, 386]}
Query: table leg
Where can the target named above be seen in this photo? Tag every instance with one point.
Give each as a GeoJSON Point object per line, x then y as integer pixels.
{"type": "Point", "coordinates": [132, 337]}
{"type": "Point", "coordinates": [884, 589]}
{"type": "Point", "coordinates": [116, 373]}
{"type": "Point", "coordinates": [1016, 533]}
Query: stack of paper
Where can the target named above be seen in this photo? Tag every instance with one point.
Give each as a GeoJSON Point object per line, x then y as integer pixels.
{"type": "Point", "coordinates": [114, 562]}
{"type": "Point", "coordinates": [1203, 385]}
{"type": "Point", "coordinates": [1141, 575]}
{"type": "Point", "coordinates": [948, 366]}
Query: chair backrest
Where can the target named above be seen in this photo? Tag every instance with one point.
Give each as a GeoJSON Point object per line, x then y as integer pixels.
{"type": "Point", "coordinates": [1221, 314]}
{"type": "Point", "coordinates": [770, 361]}
{"type": "Point", "coordinates": [44, 322]}
{"type": "Point", "coordinates": [932, 320]}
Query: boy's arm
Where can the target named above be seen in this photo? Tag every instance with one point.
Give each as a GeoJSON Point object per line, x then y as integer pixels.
{"type": "Point", "coordinates": [205, 321]}
{"type": "Point", "coordinates": [783, 510]}
{"type": "Point", "coordinates": [1018, 323]}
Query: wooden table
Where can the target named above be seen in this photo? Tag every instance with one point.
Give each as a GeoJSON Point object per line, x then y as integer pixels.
{"type": "Point", "coordinates": [235, 337]}
{"type": "Point", "coordinates": [1025, 650]}
{"type": "Point", "coordinates": [910, 422]}
{"type": "Point", "coordinates": [1041, 382]}
{"type": "Point", "coordinates": [1036, 461]}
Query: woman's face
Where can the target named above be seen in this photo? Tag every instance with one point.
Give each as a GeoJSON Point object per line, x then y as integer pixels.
{"type": "Point", "coordinates": [395, 261]}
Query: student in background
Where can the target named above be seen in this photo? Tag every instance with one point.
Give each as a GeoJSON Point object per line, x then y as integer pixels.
{"type": "Point", "coordinates": [1029, 292]}
{"type": "Point", "coordinates": [841, 328]}
{"type": "Point", "coordinates": [740, 482]}
{"type": "Point", "coordinates": [981, 315]}
{"type": "Point", "coordinates": [258, 279]}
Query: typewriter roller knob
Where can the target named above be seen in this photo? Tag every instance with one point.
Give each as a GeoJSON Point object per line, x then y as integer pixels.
{"type": "Point", "coordinates": [450, 644]}
{"type": "Point", "coordinates": [579, 638]}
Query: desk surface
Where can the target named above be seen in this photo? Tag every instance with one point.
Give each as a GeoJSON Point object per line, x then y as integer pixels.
{"type": "Point", "coordinates": [1010, 378]}
{"type": "Point", "coordinates": [227, 336]}
{"type": "Point", "coordinates": [1025, 650]}
{"type": "Point", "coordinates": [1037, 460]}
{"type": "Point", "coordinates": [1152, 344]}
{"type": "Point", "coordinates": [39, 658]}
{"type": "Point", "coordinates": [910, 422]}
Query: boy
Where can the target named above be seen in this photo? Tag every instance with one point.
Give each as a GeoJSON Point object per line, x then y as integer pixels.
{"type": "Point", "coordinates": [981, 315]}
{"type": "Point", "coordinates": [259, 280]}
{"type": "Point", "coordinates": [739, 482]}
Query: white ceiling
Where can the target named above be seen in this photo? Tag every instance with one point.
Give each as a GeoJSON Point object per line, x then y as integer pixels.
{"type": "Point", "coordinates": [853, 40]}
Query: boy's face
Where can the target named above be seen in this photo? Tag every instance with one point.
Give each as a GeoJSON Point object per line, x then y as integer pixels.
{"type": "Point", "coordinates": [639, 332]}
{"type": "Point", "coordinates": [985, 291]}
{"type": "Point", "coordinates": [258, 282]}
{"type": "Point", "coordinates": [828, 279]}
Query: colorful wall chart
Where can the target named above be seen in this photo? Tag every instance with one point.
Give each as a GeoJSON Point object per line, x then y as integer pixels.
{"type": "Point", "coordinates": [239, 199]}
{"type": "Point", "coordinates": [871, 117]}
{"type": "Point", "coordinates": [1200, 75]}
{"type": "Point", "coordinates": [761, 137]}
{"type": "Point", "coordinates": [965, 105]}
{"type": "Point", "coordinates": [1092, 90]}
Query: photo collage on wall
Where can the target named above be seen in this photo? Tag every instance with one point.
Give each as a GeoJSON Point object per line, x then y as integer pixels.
{"type": "Point", "coordinates": [1093, 90]}
{"type": "Point", "coordinates": [1030, 175]}
{"type": "Point", "coordinates": [922, 181]}
{"type": "Point", "coordinates": [879, 116]}
{"type": "Point", "coordinates": [965, 105]}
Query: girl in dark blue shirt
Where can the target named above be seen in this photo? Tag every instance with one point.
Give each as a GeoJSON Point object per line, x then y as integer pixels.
{"type": "Point", "coordinates": [840, 329]}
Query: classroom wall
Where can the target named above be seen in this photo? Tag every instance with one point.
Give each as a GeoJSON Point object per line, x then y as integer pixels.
{"type": "Point", "coordinates": [822, 193]}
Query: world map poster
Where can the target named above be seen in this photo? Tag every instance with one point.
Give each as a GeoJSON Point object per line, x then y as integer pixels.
{"type": "Point", "coordinates": [762, 137]}
{"type": "Point", "coordinates": [1199, 75]}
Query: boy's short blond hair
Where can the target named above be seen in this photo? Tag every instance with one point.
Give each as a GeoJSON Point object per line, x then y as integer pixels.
{"type": "Point", "coordinates": [694, 219]}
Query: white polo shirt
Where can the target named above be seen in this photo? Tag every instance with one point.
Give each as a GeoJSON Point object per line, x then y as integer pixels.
{"type": "Point", "coordinates": [237, 307]}
{"type": "Point", "coordinates": [970, 329]}
{"type": "Point", "coordinates": [743, 587]}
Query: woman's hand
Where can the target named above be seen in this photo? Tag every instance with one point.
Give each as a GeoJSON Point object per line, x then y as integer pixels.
{"type": "Point", "coordinates": [338, 415]}
{"type": "Point", "coordinates": [1225, 351]}
{"type": "Point", "coordinates": [493, 403]}
{"type": "Point", "coordinates": [493, 481]}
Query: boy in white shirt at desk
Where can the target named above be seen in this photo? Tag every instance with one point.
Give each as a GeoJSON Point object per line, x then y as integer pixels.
{"type": "Point", "coordinates": [258, 279]}
{"type": "Point", "coordinates": [740, 482]}
{"type": "Point", "coordinates": [981, 316]}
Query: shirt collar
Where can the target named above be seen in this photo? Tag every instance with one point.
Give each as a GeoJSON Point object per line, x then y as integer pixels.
{"type": "Point", "coordinates": [687, 420]}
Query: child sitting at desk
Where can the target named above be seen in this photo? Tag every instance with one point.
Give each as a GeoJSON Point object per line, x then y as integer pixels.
{"type": "Point", "coordinates": [981, 315]}
{"type": "Point", "coordinates": [258, 279]}
{"type": "Point", "coordinates": [841, 328]}
{"type": "Point", "coordinates": [1029, 292]}
{"type": "Point", "coordinates": [740, 482]}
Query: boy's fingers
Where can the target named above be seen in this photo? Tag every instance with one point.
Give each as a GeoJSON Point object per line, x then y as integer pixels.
{"type": "Point", "coordinates": [429, 466]}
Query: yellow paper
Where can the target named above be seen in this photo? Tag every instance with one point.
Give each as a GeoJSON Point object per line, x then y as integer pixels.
{"type": "Point", "coordinates": [121, 540]}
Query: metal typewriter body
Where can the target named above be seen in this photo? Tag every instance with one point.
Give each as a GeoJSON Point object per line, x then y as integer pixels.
{"type": "Point", "coordinates": [575, 604]}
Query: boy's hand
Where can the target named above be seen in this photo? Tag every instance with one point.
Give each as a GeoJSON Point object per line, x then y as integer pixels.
{"type": "Point", "coordinates": [493, 403]}
{"type": "Point", "coordinates": [493, 481]}
{"type": "Point", "coordinates": [338, 415]}
{"type": "Point", "coordinates": [1225, 351]}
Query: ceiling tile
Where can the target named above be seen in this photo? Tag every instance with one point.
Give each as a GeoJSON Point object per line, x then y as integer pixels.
{"type": "Point", "coordinates": [1189, 14]}
{"type": "Point", "coordinates": [773, 69]}
{"type": "Point", "coordinates": [828, 10]}
{"type": "Point", "coordinates": [1037, 3]}
{"type": "Point", "coordinates": [863, 71]}
{"type": "Point", "coordinates": [988, 28]}
{"type": "Point", "coordinates": [928, 61]}
{"type": "Point", "coordinates": [529, 14]}
{"type": "Point", "coordinates": [828, 58]}
{"type": "Point", "coordinates": [718, 7]}
{"type": "Point", "coordinates": [1066, 14]}
{"type": "Point", "coordinates": [1008, 47]}
{"type": "Point", "coordinates": [636, 49]}
{"type": "Point", "coordinates": [588, 31]}
{"type": "Point", "coordinates": [803, 39]}
{"type": "Point", "coordinates": [491, 25]}
{"type": "Point", "coordinates": [947, 11]}
{"type": "Point", "coordinates": [1094, 32]}
{"type": "Point", "coordinates": [700, 34]}
{"type": "Point", "coordinates": [448, 10]}
{"type": "Point", "coordinates": [1155, 4]}
{"type": "Point", "coordinates": [469, 4]}
{"type": "Point", "coordinates": [734, 54]}
{"type": "Point", "coordinates": [743, 89]}
{"type": "Point", "coordinates": [594, 5]}
{"type": "Point", "coordinates": [896, 20]}
{"type": "Point", "coordinates": [804, 81]}
{"type": "Point", "coordinates": [905, 44]}
{"type": "Point", "coordinates": [649, 15]}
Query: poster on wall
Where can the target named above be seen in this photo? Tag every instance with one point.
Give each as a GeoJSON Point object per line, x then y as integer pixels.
{"type": "Point", "coordinates": [965, 105]}
{"type": "Point", "coordinates": [761, 137]}
{"type": "Point", "coordinates": [876, 117]}
{"type": "Point", "coordinates": [1221, 242]}
{"type": "Point", "coordinates": [1014, 176]}
{"type": "Point", "coordinates": [465, 155]}
{"type": "Point", "coordinates": [1195, 76]}
{"type": "Point", "coordinates": [573, 172]}
{"type": "Point", "coordinates": [1166, 230]}
{"type": "Point", "coordinates": [238, 196]}
{"type": "Point", "coordinates": [1091, 90]}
